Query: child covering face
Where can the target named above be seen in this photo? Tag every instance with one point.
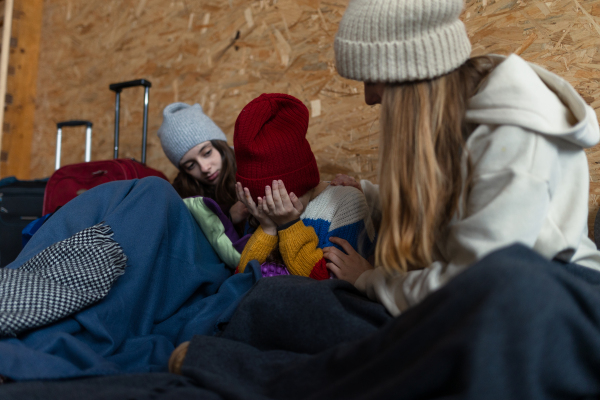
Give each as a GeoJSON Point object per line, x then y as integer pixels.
{"type": "Point", "coordinates": [278, 181]}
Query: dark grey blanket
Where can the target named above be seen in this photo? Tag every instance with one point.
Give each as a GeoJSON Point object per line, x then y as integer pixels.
{"type": "Point", "coordinates": [513, 326]}
{"type": "Point", "coordinates": [302, 315]}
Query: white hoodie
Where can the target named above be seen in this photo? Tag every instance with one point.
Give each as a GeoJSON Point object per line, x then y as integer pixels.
{"type": "Point", "coordinates": [530, 182]}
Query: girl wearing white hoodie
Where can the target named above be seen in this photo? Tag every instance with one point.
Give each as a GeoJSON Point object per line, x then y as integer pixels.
{"type": "Point", "coordinates": [475, 153]}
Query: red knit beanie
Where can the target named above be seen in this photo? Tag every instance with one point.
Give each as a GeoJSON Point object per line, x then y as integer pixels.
{"type": "Point", "coordinates": [270, 143]}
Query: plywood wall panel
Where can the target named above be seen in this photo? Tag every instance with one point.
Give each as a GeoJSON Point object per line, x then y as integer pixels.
{"type": "Point", "coordinates": [223, 53]}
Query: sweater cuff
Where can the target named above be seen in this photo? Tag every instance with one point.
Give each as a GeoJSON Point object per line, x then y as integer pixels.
{"type": "Point", "coordinates": [263, 237]}
{"type": "Point", "coordinates": [258, 248]}
{"type": "Point", "coordinates": [287, 225]}
{"type": "Point", "coordinates": [297, 228]}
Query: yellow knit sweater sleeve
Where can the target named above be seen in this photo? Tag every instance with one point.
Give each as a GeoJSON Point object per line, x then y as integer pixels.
{"type": "Point", "coordinates": [259, 246]}
{"type": "Point", "coordinates": [298, 245]}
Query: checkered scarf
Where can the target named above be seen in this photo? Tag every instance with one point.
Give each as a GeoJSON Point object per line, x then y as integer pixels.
{"type": "Point", "coordinates": [62, 279]}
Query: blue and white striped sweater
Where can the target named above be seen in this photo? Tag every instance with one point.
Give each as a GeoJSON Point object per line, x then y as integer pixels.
{"type": "Point", "coordinates": [341, 211]}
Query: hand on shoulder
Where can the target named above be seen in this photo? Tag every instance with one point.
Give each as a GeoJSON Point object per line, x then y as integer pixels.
{"type": "Point", "coordinates": [345, 180]}
{"type": "Point", "coordinates": [347, 266]}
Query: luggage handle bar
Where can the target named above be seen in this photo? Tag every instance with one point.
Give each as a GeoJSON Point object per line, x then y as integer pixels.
{"type": "Point", "coordinates": [74, 123]}
{"type": "Point", "coordinates": [88, 139]}
{"type": "Point", "coordinates": [117, 88]}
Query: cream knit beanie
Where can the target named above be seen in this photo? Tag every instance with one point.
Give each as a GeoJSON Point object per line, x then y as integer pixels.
{"type": "Point", "coordinates": [400, 40]}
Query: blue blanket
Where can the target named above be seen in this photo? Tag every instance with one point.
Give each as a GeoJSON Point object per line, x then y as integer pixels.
{"type": "Point", "coordinates": [175, 286]}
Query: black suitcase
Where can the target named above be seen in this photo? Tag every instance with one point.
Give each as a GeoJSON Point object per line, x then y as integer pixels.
{"type": "Point", "coordinates": [20, 203]}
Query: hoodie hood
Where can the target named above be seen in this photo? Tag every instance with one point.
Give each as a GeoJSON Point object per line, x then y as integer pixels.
{"type": "Point", "coordinates": [526, 95]}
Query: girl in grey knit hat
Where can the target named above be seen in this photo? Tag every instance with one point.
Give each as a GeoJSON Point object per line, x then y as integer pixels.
{"type": "Point", "coordinates": [199, 149]}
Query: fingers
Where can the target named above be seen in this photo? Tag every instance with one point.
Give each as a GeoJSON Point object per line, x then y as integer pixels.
{"type": "Point", "coordinates": [335, 269]}
{"type": "Point", "coordinates": [344, 244]}
{"type": "Point", "coordinates": [249, 202]}
{"type": "Point", "coordinates": [243, 195]}
{"type": "Point", "coordinates": [269, 201]}
{"type": "Point", "coordinates": [262, 208]}
{"type": "Point", "coordinates": [259, 206]}
{"type": "Point", "coordinates": [296, 203]}
{"type": "Point", "coordinates": [336, 181]}
{"type": "Point", "coordinates": [334, 255]}
{"type": "Point", "coordinates": [262, 205]}
{"type": "Point", "coordinates": [277, 194]}
{"type": "Point", "coordinates": [283, 194]}
{"type": "Point", "coordinates": [248, 198]}
{"type": "Point", "coordinates": [239, 192]}
{"type": "Point", "coordinates": [277, 199]}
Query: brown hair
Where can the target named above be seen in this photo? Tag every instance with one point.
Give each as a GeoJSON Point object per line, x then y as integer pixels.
{"type": "Point", "coordinates": [422, 145]}
{"type": "Point", "coordinates": [223, 192]}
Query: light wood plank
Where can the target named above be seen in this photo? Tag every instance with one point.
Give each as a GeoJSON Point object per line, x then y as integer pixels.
{"type": "Point", "coordinates": [22, 88]}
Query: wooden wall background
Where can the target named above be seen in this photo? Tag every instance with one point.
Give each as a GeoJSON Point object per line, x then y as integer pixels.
{"type": "Point", "coordinates": [219, 53]}
{"type": "Point", "coordinates": [223, 53]}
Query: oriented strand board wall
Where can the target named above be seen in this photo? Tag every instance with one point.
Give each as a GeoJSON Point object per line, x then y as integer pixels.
{"type": "Point", "coordinates": [219, 53]}
{"type": "Point", "coordinates": [223, 53]}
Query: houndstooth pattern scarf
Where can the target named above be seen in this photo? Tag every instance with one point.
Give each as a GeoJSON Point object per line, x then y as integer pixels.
{"type": "Point", "coordinates": [62, 279]}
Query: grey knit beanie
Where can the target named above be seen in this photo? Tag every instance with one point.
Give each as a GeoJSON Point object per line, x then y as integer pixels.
{"type": "Point", "coordinates": [184, 127]}
{"type": "Point", "coordinates": [400, 40]}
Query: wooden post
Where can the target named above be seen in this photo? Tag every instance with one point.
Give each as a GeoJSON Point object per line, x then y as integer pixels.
{"type": "Point", "coordinates": [19, 97]}
{"type": "Point", "coordinates": [6, 34]}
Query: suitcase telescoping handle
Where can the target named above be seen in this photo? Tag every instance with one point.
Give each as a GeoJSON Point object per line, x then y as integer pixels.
{"type": "Point", "coordinates": [88, 139]}
{"type": "Point", "coordinates": [117, 88]}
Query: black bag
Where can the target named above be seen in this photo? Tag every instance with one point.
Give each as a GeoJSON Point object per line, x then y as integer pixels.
{"type": "Point", "coordinates": [20, 203]}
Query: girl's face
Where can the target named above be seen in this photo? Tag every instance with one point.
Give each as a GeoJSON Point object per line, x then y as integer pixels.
{"type": "Point", "coordinates": [203, 162]}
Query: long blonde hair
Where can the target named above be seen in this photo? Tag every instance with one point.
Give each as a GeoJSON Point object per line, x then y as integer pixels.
{"type": "Point", "coordinates": [423, 137]}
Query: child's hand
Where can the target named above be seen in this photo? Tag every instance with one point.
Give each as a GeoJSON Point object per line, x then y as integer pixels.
{"type": "Point", "coordinates": [345, 266]}
{"type": "Point", "coordinates": [243, 195]}
{"type": "Point", "coordinates": [279, 206]}
{"type": "Point", "coordinates": [345, 180]}
{"type": "Point", "coordinates": [238, 212]}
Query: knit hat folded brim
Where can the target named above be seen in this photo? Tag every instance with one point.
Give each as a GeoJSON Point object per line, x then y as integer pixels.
{"type": "Point", "coordinates": [425, 57]}
{"type": "Point", "coordinates": [298, 181]}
